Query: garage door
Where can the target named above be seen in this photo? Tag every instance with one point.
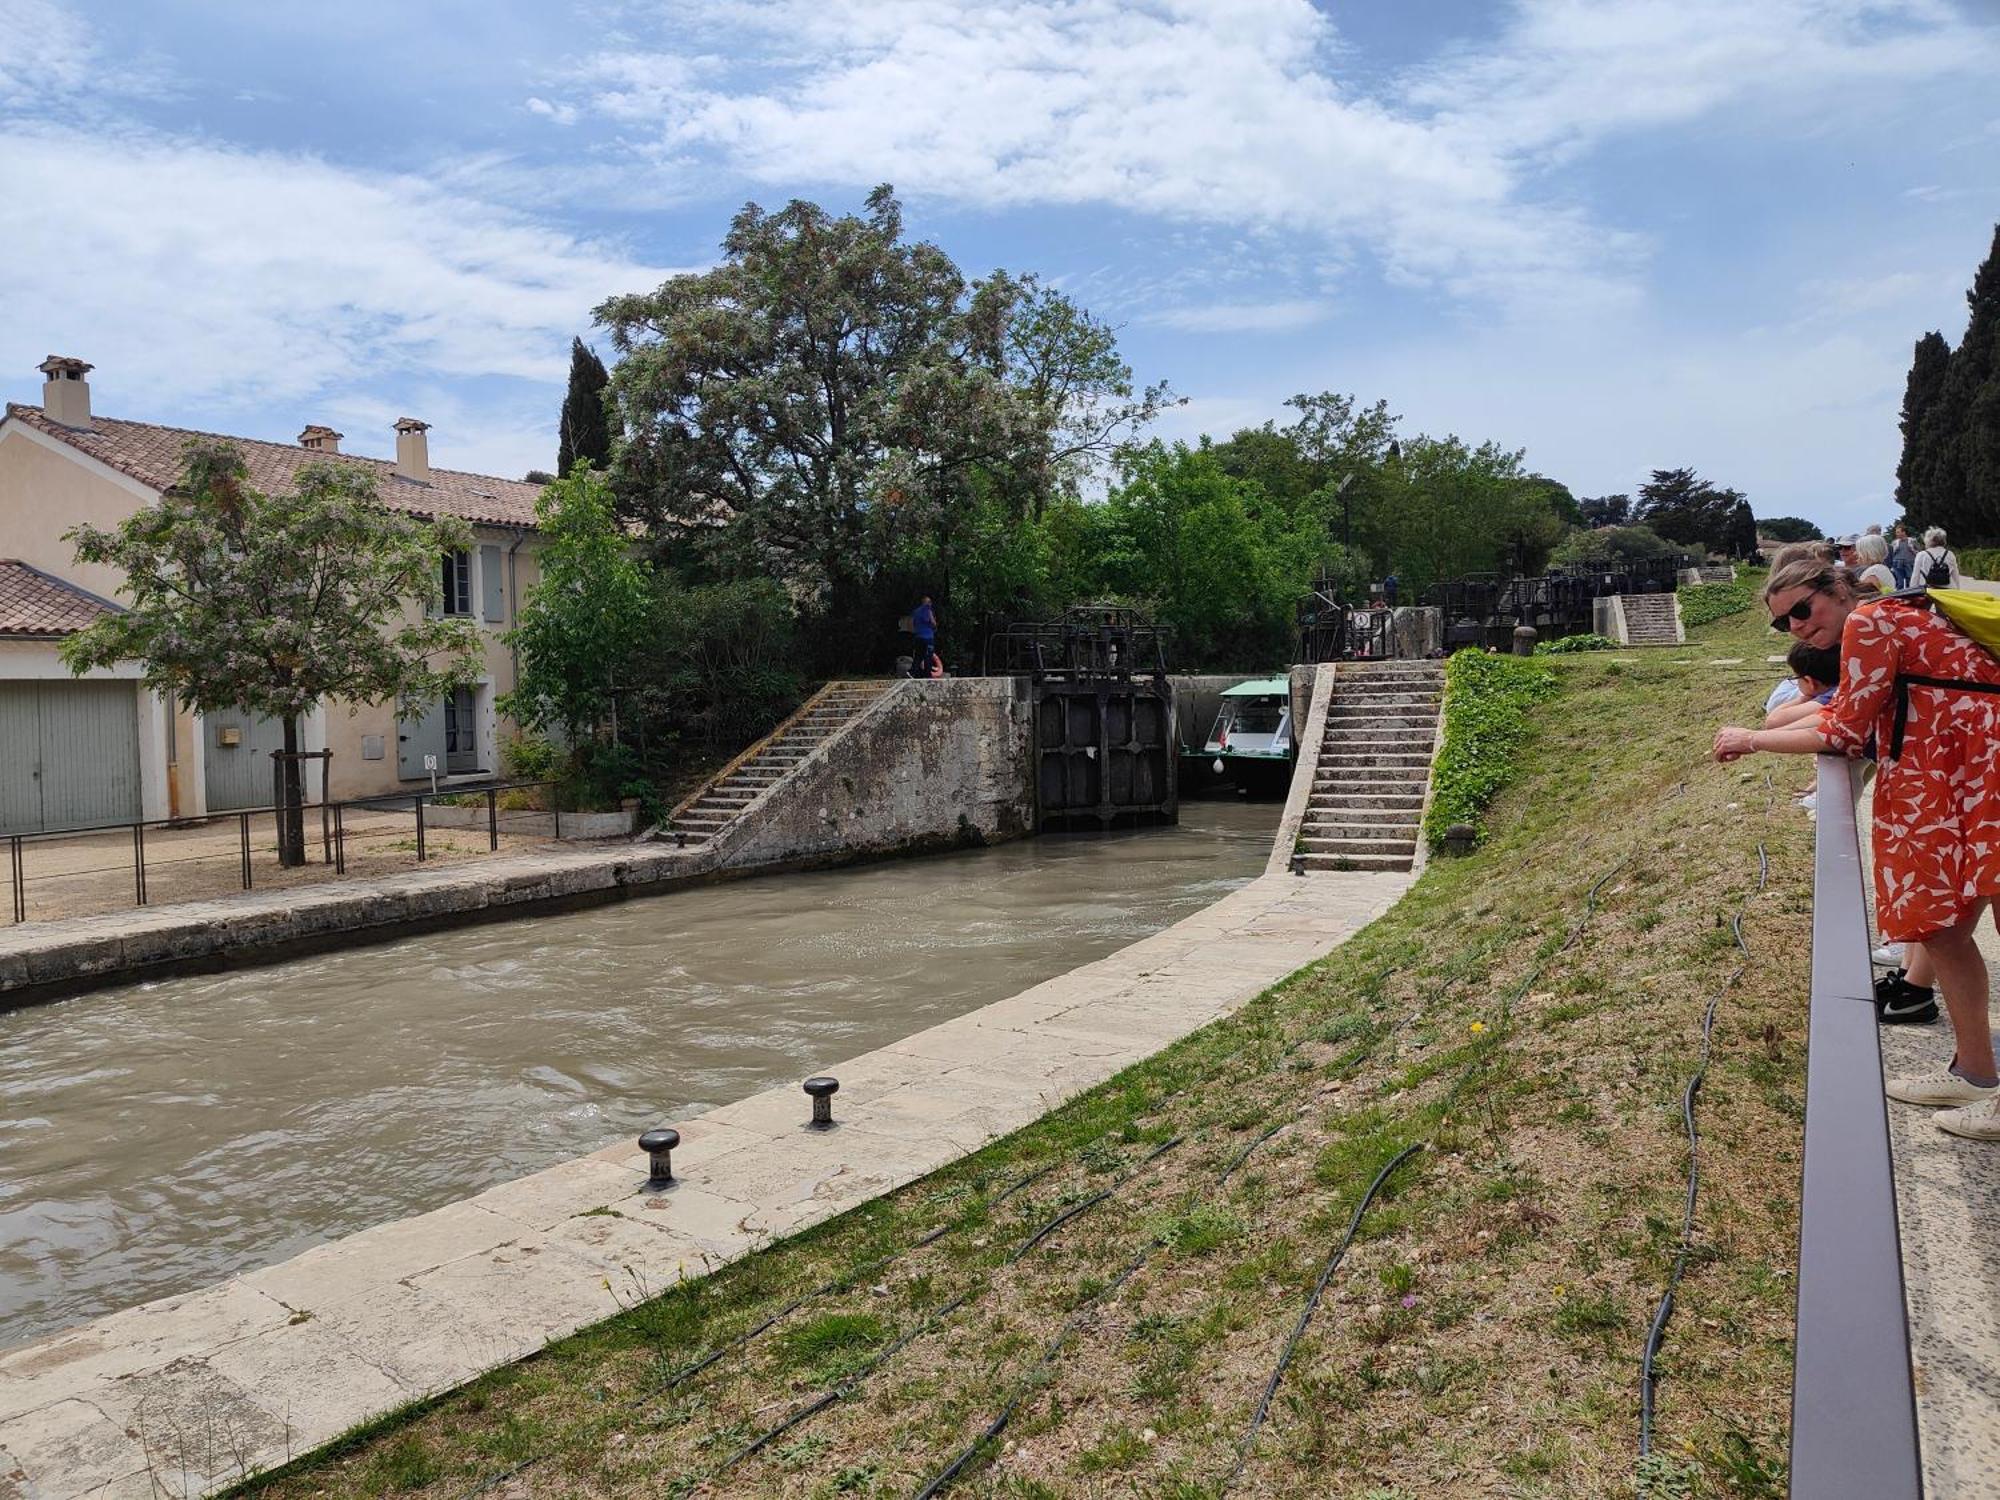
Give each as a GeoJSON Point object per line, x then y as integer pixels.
{"type": "Point", "coordinates": [69, 755]}
{"type": "Point", "coordinates": [236, 758]}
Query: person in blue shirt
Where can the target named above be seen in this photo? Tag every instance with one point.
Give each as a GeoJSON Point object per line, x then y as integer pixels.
{"type": "Point", "coordinates": [923, 625]}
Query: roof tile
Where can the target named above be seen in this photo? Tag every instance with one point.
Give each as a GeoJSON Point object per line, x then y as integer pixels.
{"type": "Point", "coordinates": [152, 454]}
{"type": "Point", "coordinates": [36, 603]}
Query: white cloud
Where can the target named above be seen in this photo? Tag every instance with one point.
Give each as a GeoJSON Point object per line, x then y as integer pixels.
{"type": "Point", "coordinates": [47, 55]}
{"type": "Point", "coordinates": [210, 272]}
{"type": "Point", "coordinates": [561, 114]}
{"type": "Point", "coordinates": [1245, 317]}
{"type": "Point", "coordinates": [1235, 112]}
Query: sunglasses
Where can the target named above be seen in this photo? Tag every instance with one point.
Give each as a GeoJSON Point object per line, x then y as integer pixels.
{"type": "Point", "coordinates": [1800, 612]}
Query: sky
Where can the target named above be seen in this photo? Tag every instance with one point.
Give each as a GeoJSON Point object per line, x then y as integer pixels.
{"type": "Point", "coordinates": [1617, 234]}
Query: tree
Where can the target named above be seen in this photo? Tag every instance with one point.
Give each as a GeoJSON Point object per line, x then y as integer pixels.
{"type": "Point", "coordinates": [1605, 510]}
{"type": "Point", "coordinates": [1610, 549]}
{"type": "Point", "coordinates": [1789, 529]}
{"type": "Point", "coordinates": [1916, 469]}
{"type": "Point", "coordinates": [585, 620]}
{"type": "Point", "coordinates": [830, 390]}
{"type": "Point", "coordinates": [586, 427]}
{"type": "Point", "coordinates": [1685, 508]}
{"type": "Point", "coordinates": [277, 603]}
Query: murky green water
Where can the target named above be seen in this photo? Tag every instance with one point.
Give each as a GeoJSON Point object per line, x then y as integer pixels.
{"type": "Point", "coordinates": [161, 1137]}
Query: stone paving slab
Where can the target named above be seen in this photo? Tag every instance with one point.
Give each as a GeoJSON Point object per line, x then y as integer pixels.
{"type": "Point", "coordinates": [188, 1393]}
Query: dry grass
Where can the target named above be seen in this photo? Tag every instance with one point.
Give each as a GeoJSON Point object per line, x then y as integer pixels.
{"type": "Point", "coordinates": [1483, 1336]}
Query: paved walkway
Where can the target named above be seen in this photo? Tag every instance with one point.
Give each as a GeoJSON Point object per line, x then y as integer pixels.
{"type": "Point", "coordinates": [185, 1394]}
{"type": "Point", "coordinates": [1948, 1214]}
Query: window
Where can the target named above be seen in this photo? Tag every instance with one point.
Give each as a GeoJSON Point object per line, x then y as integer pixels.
{"type": "Point", "coordinates": [457, 583]}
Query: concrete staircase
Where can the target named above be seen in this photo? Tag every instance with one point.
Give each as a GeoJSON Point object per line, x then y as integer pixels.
{"type": "Point", "coordinates": [765, 764]}
{"type": "Point", "coordinates": [1651, 620]}
{"type": "Point", "coordinates": [1374, 764]}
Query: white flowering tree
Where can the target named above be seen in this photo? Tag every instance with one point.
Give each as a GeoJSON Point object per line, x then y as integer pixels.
{"type": "Point", "coordinates": [277, 603]}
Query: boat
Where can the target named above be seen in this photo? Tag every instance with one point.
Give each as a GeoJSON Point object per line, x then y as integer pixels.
{"type": "Point", "coordinates": [1250, 746]}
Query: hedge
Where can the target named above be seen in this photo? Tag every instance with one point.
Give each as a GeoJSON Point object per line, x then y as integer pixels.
{"type": "Point", "coordinates": [1487, 700]}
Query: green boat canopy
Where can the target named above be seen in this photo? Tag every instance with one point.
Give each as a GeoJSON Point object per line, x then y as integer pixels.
{"type": "Point", "coordinates": [1263, 687]}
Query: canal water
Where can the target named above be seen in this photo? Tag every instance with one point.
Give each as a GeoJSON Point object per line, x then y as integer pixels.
{"type": "Point", "coordinates": [160, 1137]}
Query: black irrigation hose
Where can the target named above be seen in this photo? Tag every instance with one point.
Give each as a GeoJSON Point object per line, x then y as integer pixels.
{"type": "Point", "coordinates": [1657, 1331]}
{"type": "Point", "coordinates": [1333, 1261]}
{"type": "Point", "coordinates": [846, 1387]}
{"type": "Point", "coordinates": [839, 1284]}
{"type": "Point", "coordinates": [1027, 1383]}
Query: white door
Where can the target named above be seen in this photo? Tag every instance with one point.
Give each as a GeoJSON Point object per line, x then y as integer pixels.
{"type": "Point", "coordinates": [69, 755]}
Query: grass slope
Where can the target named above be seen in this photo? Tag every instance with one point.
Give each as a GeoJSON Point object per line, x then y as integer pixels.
{"type": "Point", "coordinates": [1482, 1338]}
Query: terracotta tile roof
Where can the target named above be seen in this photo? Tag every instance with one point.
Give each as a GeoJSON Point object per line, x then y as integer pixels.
{"type": "Point", "coordinates": [151, 454]}
{"type": "Point", "coordinates": [36, 603]}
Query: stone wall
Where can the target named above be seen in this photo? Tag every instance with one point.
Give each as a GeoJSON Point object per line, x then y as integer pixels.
{"type": "Point", "coordinates": [936, 764]}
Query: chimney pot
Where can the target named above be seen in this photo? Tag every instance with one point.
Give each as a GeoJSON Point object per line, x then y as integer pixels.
{"type": "Point", "coordinates": [66, 394]}
{"type": "Point", "coordinates": [320, 439]}
{"type": "Point", "coordinates": [413, 450]}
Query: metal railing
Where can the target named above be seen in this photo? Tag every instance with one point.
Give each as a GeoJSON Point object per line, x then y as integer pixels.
{"type": "Point", "coordinates": [1854, 1416]}
{"type": "Point", "coordinates": [334, 834]}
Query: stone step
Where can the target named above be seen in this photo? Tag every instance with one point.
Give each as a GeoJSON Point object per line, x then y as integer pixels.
{"type": "Point", "coordinates": [1364, 805]}
{"type": "Point", "coordinates": [1386, 713]}
{"type": "Point", "coordinates": [1417, 760]}
{"type": "Point", "coordinates": [1313, 861]}
{"type": "Point", "coordinates": [1379, 737]}
{"type": "Point", "coordinates": [1405, 847]}
{"type": "Point", "coordinates": [1364, 779]}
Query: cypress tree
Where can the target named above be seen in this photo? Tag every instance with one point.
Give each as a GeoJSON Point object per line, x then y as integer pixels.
{"type": "Point", "coordinates": [586, 430]}
{"type": "Point", "coordinates": [1979, 356]}
{"type": "Point", "coordinates": [1915, 470]}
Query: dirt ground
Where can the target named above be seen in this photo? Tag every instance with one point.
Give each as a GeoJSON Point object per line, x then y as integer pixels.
{"type": "Point", "coordinates": [87, 874]}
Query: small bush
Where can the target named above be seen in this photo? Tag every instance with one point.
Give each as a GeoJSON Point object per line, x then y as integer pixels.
{"type": "Point", "coordinates": [1976, 562]}
{"type": "Point", "coordinates": [1703, 602]}
{"type": "Point", "coordinates": [1572, 643]}
{"type": "Point", "coordinates": [1486, 708]}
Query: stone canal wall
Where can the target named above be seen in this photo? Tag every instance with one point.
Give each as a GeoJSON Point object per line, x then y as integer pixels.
{"type": "Point", "coordinates": [934, 765]}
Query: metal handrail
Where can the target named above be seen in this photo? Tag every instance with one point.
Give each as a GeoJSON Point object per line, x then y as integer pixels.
{"type": "Point", "coordinates": [1854, 1414]}
{"type": "Point", "coordinates": [333, 835]}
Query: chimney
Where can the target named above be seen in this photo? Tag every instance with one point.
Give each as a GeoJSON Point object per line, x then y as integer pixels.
{"type": "Point", "coordinates": [320, 439]}
{"type": "Point", "coordinates": [413, 450]}
{"type": "Point", "coordinates": [66, 397]}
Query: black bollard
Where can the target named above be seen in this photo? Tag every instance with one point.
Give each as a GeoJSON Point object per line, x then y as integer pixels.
{"type": "Point", "coordinates": [659, 1145]}
{"type": "Point", "coordinates": [822, 1089]}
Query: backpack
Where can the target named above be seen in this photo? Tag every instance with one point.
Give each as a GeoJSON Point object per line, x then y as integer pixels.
{"type": "Point", "coordinates": [1936, 571]}
{"type": "Point", "coordinates": [1974, 614]}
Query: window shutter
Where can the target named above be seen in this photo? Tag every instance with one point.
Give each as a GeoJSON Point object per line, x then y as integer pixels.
{"type": "Point", "coordinates": [490, 581]}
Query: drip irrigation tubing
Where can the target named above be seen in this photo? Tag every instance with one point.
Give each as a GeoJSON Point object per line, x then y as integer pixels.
{"type": "Point", "coordinates": [1656, 1332]}
{"type": "Point", "coordinates": [949, 1474]}
{"type": "Point", "coordinates": [1332, 1265]}
{"type": "Point", "coordinates": [844, 1388]}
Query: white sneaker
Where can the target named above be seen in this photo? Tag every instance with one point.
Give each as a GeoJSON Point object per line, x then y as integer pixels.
{"type": "Point", "coordinates": [1938, 1089]}
{"type": "Point", "coordinates": [1888, 956]}
{"type": "Point", "coordinates": [1976, 1122]}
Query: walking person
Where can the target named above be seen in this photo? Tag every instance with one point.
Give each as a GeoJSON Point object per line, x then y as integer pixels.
{"type": "Point", "coordinates": [1937, 798]}
{"type": "Point", "coordinates": [1936, 567]}
{"type": "Point", "coordinates": [923, 625]}
{"type": "Point", "coordinates": [1902, 556]}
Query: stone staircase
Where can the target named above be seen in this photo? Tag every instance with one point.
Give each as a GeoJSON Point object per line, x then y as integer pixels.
{"type": "Point", "coordinates": [760, 768]}
{"type": "Point", "coordinates": [1651, 620]}
{"type": "Point", "coordinates": [1374, 765]}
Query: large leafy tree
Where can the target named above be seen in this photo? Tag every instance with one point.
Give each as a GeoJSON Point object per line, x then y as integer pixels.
{"type": "Point", "coordinates": [831, 390]}
{"type": "Point", "coordinates": [586, 618]}
{"type": "Point", "coordinates": [278, 603]}
{"type": "Point", "coordinates": [1789, 529]}
{"type": "Point", "coordinates": [586, 426]}
{"type": "Point", "coordinates": [1683, 507]}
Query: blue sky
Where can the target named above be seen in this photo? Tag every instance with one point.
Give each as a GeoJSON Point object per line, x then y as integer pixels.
{"type": "Point", "coordinates": [1619, 234]}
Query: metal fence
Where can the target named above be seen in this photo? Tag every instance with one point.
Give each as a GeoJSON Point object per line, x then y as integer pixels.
{"type": "Point", "coordinates": [1854, 1418]}
{"type": "Point", "coordinates": [1089, 641]}
{"type": "Point", "coordinates": [161, 845]}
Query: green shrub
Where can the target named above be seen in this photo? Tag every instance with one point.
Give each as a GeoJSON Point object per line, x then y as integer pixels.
{"type": "Point", "coordinates": [1486, 707]}
{"type": "Point", "coordinates": [1976, 562]}
{"type": "Point", "coordinates": [1703, 602]}
{"type": "Point", "coordinates": [1570, 643]}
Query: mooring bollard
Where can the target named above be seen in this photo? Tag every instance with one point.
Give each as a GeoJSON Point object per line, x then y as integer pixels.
{"type": "Point", "coordinates": [1460, 838]}
{"type": "Point", "coordinates": [822, 1090]}
{"type": "Point", "coordinates": [659, 1145]}
{"type": "Point", "coordinates": [1524, 640]}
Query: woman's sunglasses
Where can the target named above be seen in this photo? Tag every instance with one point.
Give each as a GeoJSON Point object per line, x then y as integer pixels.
{"type": "Point", "coordinates": [1800, 612]}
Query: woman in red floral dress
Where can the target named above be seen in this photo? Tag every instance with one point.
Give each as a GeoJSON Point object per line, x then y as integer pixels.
{"type": "Point", "coordinates": [1937, 799]}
